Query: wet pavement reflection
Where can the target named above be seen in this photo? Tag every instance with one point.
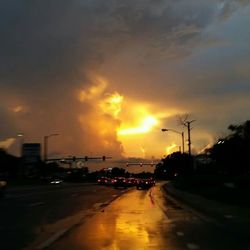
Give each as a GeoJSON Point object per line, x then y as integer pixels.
{"type": "Point", "coordinates": [136, 220]}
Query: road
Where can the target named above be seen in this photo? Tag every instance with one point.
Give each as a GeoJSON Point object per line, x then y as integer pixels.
{"type": "Point", "coordinates": [30, 215]}
{"type": "Point", "coordinates": [146, 220]}
{"type": "Point", "coordinates": [94, 217]}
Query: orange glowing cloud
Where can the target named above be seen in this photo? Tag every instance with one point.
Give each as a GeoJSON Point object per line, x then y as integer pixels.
{"type": "Point", "coordinates": [171, 148]}
{"type": "Point", "coordinates": [112, 104]}
{"type": "Point", "coordinates": [7, 143]}
{"type": "Point", "coordinates": [115, 119]}
{"type": "Point", "coordinates": [145, 125]}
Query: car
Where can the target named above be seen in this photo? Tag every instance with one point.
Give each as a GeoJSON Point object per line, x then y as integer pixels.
{"type": "Point", "coordinates": [103, 181]}
{"type": "Point", "coordinates": [3, 186]}
{"type": "Point", "coordinates": [131, 182]}
{"type": "Point", "coordinates": [120, 182]}
{"type": "Point", "coordinates": [144, 184]}
{"type": "Point", "coordinates": [153, 181]}
{"type": "Point", "coordinates": [56, 181]}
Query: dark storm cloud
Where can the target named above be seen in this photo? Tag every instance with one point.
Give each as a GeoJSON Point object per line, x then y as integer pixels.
{"type": "Point", "coordinates": [51, 41]}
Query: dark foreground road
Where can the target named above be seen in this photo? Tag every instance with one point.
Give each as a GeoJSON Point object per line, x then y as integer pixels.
{"type": "Point", "coordinates": [30, 216]}
{"type": "Point", "coordinates": [149, 220]}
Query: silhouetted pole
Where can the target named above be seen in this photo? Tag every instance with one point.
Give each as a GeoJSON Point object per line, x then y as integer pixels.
{"type": "Point", "coordinates": [181, 133]}
{"type": "Point", "coordinates": [20, 135]}
{"type": "Point", "coordinates": [45, 145]}
{"type": "Point", "coordinates": [189, 139]}
{"type": "Point", "coordinates": [182, 137]}
{"type": "Point", "coordinates": [187, 124]}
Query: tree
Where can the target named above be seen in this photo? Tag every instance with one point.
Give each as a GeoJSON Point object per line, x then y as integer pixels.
{"type": "Point", "coordinates": [175, 164]}
{"type": "Point", "coordinates": [9, 164]}
{"type": "Point", "coordinates": [231, 153]}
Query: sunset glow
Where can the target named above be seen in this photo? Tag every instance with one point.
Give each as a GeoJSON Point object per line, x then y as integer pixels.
{"type": "Point", "coordinates": [171, 148]}
{"type": "Point", "coordinates": [145, 126]}
{"type": "Point", "coordinates": [112, 104]}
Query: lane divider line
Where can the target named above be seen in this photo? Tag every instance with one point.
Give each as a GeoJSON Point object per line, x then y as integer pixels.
{"type": "Point", "coordinates": [52, 239]}
{"type": "Point", "coordinates": [192, 246]}
{"type": "Point", "coordinates": [36, 204]}
{"type": "Point", "coordinates": [180, 233]}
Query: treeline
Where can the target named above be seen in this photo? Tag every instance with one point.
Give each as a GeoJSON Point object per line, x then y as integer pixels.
{"type": "Point", "coordinates": [229, 156]}
{"type": "Point", "coordinates": [9, 165]}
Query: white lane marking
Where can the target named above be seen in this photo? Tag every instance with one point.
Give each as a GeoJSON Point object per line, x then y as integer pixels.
{"type": "Point", "coordinates": [52, 239]}
{"type": "Point", "coordinates": [180, 233]}
{"type": "Point", "coordinates": [228, 216]}
{"type": "Point", "coordinates": [36, 204]}
{"type": "Point", "coordinates": [97, 205]}
{"type": "Point", "coordinates": [192, 246]}
{"type": "Point", "coordinates": [114, 195]}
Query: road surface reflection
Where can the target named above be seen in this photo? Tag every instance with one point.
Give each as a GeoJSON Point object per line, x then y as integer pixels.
{"type": "Point", "coordinates": [135, 220]}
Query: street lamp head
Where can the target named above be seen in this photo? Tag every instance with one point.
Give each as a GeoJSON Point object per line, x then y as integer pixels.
{"type": "Point", "coordinates": [47, 136]}
{"type": "Point", "coordinates": [53, 134]}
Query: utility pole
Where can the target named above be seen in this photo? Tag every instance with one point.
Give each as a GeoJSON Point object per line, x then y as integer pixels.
{"type": "Point", "coordinates": [187, 124]}
{"type": "Point", "coordinates": [45, 145]}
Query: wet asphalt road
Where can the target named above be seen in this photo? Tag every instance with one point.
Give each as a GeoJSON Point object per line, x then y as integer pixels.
{"type": "Point", "coordinates": [147, 219]}
{"type": "Point", "coordinates": [92, 217]}
{"type": "Point", "coordinates": [34, 214]}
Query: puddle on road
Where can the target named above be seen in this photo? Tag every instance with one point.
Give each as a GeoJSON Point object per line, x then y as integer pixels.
{"type": "Point", "coordinates": [134, 221]}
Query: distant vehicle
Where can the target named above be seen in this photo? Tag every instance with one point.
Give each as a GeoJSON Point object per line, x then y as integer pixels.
{"type": "Point", "coordinates": [103, 181]}
{"type": "Point", "coordinates": [56, 181]}
{"type": "Point", "coordinates": [144, 184]}
{"type": "Point", "coordinates": [131, 182]}
{"type": "Point", "coordinates": [120, 182]}
{"type": "Point", "coordinates": [3, 185]}
{"type": "Point", "coordinates": [153, 181]}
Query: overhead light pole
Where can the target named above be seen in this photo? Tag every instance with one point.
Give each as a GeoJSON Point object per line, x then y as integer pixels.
{"type": "Point", "coordinates": [20, 135]}
{"type": "Point", "coordinates": [45, 145]}
{"type": "Point", "coordinates": [175, 131]}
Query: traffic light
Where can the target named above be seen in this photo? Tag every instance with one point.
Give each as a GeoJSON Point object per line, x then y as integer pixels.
{"type": "Point", "coordinates": [104, 158]}
{"type": "Point", "coordinates": [86, 158]}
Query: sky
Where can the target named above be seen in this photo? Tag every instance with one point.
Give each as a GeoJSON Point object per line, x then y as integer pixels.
{"type": "Point", "coordinates": [107, 76]}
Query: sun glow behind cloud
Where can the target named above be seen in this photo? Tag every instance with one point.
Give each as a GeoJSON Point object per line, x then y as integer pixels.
{"type": "Point", "coordinates": [112, 104]}
{"type": "Point", "coordinates": [145, 126]}
{"type": "Point", "coordinates": [115, 117]}
{"type": "Point", "coordinates": [170, 149]}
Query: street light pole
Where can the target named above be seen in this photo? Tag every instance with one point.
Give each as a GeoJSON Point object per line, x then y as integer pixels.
{"type": "Point", "coordinates": [20, 135]}
{"type": "Point", "coordinates": [180, 133]}
{"type": "Point", "coordinates": [187, 124]}
{"type": "Point", "coordinates": [45, 146]}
